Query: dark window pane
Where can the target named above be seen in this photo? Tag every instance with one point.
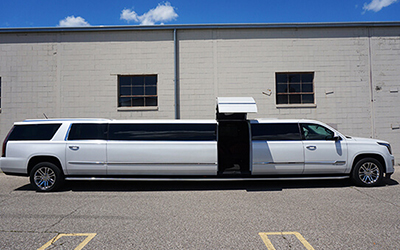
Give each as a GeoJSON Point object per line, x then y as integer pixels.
{"type": "Point", "coordinates": [275, 132]}
{"type": "Point", "coordinates": [88, 132]}
{"type": "Point", "coordinates": [137, 91]}
{"type": "Point", "coordinates": [137, 80]}
{"type": "Point", "coordinates": [138, 102]}
{"type": "Point", "coordinates": [152, 90]}
{"type": "Point", "coordinates": [166, 132]}
{"type": "Point", "coordinates": [282, 99]}
{"type": "Point", "coordinates": [33, 132]}
{"type": "Point", "coordinates": [307, 88]}
{"type": "Point", "coordinates": [151, 101]}
{"type": "Point", "coordinates": [307, 98]}
{"type": "Point", "coordinates": [282, 88]}
{"type": "Point", "coordinates": [294, 78]}
{"type": "Point", "coordinates": [125, 102]}
{"type": "Point", "coordinates": [151, 80]}
{"type": "Point", "coordinates": [124, 81]}
{"type": "Point", "coordinates": [294, 88]}
{"type": "Point", "coordinates": [125, 90]}
{"type": "Point", "coordinates": [281, 78]}
{"type": "Point", "coordinates": [294, 99]}
{"type": "Point", "coordinates": [307, 77]}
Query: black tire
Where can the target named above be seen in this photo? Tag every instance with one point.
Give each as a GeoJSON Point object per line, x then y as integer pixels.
{"type": "Point", "coordinates": [46, 177]}
{"type": "Point", "coordinates": [368, 172]}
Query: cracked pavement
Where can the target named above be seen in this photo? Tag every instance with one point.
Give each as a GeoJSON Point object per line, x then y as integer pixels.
{"type": "Point", "coordinates": [201, 215]}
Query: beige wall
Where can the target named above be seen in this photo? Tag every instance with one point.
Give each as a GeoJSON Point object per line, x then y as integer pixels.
{"type": "Point", "coordinates": [74, 74]}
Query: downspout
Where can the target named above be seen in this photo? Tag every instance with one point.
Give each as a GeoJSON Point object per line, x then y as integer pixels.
{"type": "Point", "coordinates": [371, 85]}
{"type": "Point", "coordinates": [176, 75]}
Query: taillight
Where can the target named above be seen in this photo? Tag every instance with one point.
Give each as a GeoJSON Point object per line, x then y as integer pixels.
{"type": "Point", "coordinates": [3, 152]}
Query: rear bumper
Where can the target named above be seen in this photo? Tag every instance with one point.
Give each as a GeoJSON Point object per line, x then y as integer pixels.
{"type": "Point", "coordinates": [13, 166]}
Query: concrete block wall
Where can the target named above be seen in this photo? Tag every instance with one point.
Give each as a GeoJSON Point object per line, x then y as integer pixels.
{"type": "Point", "coordinates": [74, 74]}
{"type": "Point", "coordinates": [89, 73]}
{"type": "Point", "coordinates": [386, 87]}
{"type": "Point", "coordinates": [244, 63]}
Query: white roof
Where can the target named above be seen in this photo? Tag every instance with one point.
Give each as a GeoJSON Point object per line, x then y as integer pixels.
{"type": "Point", "coordinates": [236, 105]}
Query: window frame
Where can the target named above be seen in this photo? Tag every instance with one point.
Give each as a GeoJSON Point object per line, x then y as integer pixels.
{"type": "Point", "coordinates": [300, 93]}
{"type": "Point", "coordinates": [144, 96]}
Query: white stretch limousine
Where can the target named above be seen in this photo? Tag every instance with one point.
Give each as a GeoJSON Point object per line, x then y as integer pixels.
{"type": "Point", "coordinates": [229, 148]}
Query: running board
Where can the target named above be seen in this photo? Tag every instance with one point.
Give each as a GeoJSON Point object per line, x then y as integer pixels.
{"type": "Point", "coordinates": [206, 178]}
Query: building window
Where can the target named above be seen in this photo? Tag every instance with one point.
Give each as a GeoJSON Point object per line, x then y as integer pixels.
{"type": "Point", "coordinates": [294, 88]}
{"type": "Point", "coordinates": [137, 90]}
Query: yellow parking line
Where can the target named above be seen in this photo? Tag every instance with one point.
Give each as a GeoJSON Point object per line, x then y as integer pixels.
{"type": "Point", "coordinates": [268, 243]}
{"type": "Point", "coordinates": [89, 237]}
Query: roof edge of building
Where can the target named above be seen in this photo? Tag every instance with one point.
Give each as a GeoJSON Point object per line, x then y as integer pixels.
{"type": "Point", "coordinates": [203, 26]}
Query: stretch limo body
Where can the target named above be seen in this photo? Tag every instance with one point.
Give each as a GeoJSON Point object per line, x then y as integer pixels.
{"type": "Point", "coordinates": [51, 151]}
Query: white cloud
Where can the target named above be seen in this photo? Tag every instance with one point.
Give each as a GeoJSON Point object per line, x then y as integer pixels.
{"type": "Point", "coordinates": [377, 5]}
{"type": "Point", "coordinates": [129, 15]}
{"type": "Point", "coordinates": [72, 21]}
{"type": "Point", "coordinates": [162, 13]}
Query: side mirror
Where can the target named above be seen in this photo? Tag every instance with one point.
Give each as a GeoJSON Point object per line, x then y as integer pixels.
{"type": "Point", "coordinates": [336, 137]}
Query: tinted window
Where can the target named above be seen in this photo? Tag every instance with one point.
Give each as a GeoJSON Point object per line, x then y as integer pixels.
{"type": "Point", "coordinates": [275, 132]}
{"type": "Point", "coordinates": [86, 131]}
{"type": "Point", "coordinates": [33, 132]}
{"type": "Point", "coordinates": [316, 132]}
{"type": "Point", "coordinates": [167, 132]}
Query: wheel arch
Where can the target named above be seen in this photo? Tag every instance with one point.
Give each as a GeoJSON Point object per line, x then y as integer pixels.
{"type": "Point", "coordinates": [377, 157]}
{"type": "Point", "coordinates": [44, 158]}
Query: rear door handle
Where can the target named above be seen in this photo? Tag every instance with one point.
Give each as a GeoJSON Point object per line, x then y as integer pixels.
{"type": "Point", "coordinates": [311, 147]}
{"type": "Point", "coordinates": [74, 147]}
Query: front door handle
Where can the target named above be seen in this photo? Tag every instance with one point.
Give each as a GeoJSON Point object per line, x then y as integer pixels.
{"type": "Point", "coordinates": [311, 147]}
{"type": "Point", "coordinates": [74, 147]}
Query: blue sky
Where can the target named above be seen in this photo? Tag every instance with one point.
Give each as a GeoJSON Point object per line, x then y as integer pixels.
{"type": "Point", "coordinates": [53, 13]}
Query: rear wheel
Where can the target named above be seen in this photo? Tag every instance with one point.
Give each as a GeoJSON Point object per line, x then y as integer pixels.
{"type": "Point", "coordinates": [368, 172]}
{"type": "Point", "coordinates": [46, 177]}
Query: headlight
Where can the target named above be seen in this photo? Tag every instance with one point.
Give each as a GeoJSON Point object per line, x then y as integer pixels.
{"type": "Point", "coordinates": [387, 145]}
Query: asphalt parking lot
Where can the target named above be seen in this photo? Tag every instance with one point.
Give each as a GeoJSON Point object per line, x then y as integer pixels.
{"type": "Point", "coordinates": [200, 215]}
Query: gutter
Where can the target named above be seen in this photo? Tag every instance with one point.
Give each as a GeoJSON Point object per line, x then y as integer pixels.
{"type": "Point", "coordinates": [201, 26]}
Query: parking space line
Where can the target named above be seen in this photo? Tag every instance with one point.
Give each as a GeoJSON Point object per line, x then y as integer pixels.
{"type": "Point", "coordinates": [89, 237]}
{"type": "Point", "coordinates": [268, 243]}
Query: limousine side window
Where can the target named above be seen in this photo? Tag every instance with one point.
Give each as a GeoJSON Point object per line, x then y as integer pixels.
{"type": "Point", "coordinates": [163, 132]}
{"type": "Point", "coordinates": [275, 131]}
{"type": "Point", "coordinates": [33, 132]}
{"type": "Point", "coordinates": [316, 132]}
{"type": "Point", "coordinates": [88, 131]}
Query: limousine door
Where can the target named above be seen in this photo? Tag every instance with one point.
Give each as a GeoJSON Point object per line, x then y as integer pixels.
{"type": "Point", "coordinates": [277, 149]}
{"type": "Point", "coordinates": [234, 134]}
{"type": "Point", "coordinates": [86, 158]}
{"type": "Point", "coordinates": [323, 153]}
{"type": "Point", "coordinates": [86, 149]}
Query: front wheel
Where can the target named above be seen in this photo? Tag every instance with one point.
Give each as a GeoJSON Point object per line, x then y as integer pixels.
{"type": "Point", "coordinates": [46, 177]}
{"type": "Point", "coordinates": [368, 172]}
